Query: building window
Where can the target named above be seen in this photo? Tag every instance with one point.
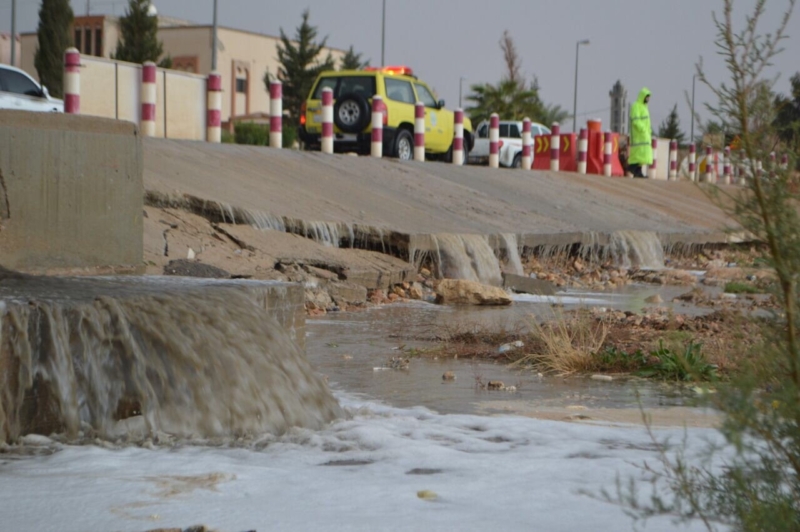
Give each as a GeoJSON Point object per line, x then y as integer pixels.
{"type": "Point", "coordinates": [78, 35]}
{"type": "Point", "coordinates": [98, 42]}
{"type": "Point", "coordinates": [241, 85]}
{"type": "Point", "coordinates": [88, 41]}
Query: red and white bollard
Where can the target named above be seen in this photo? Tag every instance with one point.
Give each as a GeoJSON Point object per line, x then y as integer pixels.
{"type": "Point", "coordinates": [709, 165]}
{"type": "Point", "coordinates": [785, 161]}
{"type": "Point", "coordinates": [377, 126]}
{"type": "Point", "coordinates": [326, 143]}
{"type": "Point", "coordinates": [527, 144]}
{"type": "Point", "coordinates": [458, 137]}
{"type": "Point", "coordinates": [583, 150]}
{"type": "Point", "coordinates": [494, 141]}
{"type": "Point", "coordinates": [726, 166]}
{"type": "Point", "coordinates": [214, 108]}
{"type": "Point", "coordinates": [276, 114]}
{"type": "Point", "coordinates": [693, 162]}
{"type": "Point", "coordinates": [654, 167]}
{"type": "Point", "coordinates": [607, 153]}
{"type": "Point", "coordinates": [419, 132]}
{"type": "Point", "coordinates": [555, 146]}
{"type": "Point", "coordinates": [673, 160]}
{"type": "Point", "coordinates": [72, 81]}
{"type": "Point", "coordinates": [147, 124]}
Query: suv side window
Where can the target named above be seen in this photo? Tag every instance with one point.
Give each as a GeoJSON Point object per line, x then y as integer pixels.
{"type": "Point", "coordinates": [329, 83]}
{"type": "Point", "coordinates": [399, 90]}
{"type": "Point", "coordinates": [425, 95]}
{"type": "Point", "coordinates": [504, 131]}
{"type": "Point", "coordinates": [514, 132]}
{"type": "Point", "coordinates": [361, 85]}
{"type": "Point", "coordinates": [483, 131]}
{"type": "Point", "coordinates": [15, 82]}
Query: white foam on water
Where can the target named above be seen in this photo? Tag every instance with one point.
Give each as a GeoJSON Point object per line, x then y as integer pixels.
{"type": "Point", "coordinates": [562, 300]}
{"type": "Point", "coordinates": [363, 473]}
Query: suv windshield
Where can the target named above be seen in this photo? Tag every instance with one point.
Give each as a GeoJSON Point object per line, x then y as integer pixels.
{"type": "Point", "coordinates": [361, 85]}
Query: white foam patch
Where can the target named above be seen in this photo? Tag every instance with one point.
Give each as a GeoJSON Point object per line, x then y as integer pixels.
{"type": "Point", "coordinates": [489, 473]}
{"type": "Point", "coordinates": [563, 300]}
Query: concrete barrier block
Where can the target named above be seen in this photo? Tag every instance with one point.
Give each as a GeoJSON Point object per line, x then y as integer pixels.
{"type": "Point", "coordinates": [71, 192]}
{"type": "Point", "coordinates": [527, 285]}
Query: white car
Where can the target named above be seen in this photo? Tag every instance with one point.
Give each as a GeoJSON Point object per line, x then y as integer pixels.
{"type": "Point", "coordinates": [20, 92]}
{"type": "Point", "coordinates": [510, 142]}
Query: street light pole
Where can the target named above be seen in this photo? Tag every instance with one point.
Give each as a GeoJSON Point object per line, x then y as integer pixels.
{"type": "Point", "coordinates": [691, 135]}
{"type": "Point", "coordinates": [575, 103]}
{"type": "Point", "coordinates": [460, 83]}
{"type": "Point", "coordinates": [13, 31]}
{"type": "Point", "coordinates": [214, 41]}
{"type": "Point", "coordinates": [383, 36]}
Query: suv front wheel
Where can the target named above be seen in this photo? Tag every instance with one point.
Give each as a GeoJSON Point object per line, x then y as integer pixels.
{"type": "Point", "coordinates": [351, 113]}
{"type": "Point", "coordinates": [404, 145]}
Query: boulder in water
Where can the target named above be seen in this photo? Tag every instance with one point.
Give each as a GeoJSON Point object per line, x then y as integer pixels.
{"type": "Point", "coordinates": [193, 268]}
{"type": "Point", "coordinates": [462, 292]}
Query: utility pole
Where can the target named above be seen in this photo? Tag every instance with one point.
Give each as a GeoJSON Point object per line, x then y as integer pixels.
{"type": "Point", "coordinates": [214, 41]}
{"type": "Point", "coordinates": [575, 104]}
{"type": "Point", "coordinates": [383, 36]}
{"type": "Point", "coordinates": [460, 83]}
{"type": "Point", "coordinates": [13, 31]}
{"type": "Point", "coordinates": [691, 135]}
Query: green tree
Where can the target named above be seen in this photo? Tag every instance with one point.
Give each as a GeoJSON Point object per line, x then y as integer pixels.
{"type": "Point", "coordinates": [55, 36]}
{"type": "Point", "coordinates": [552, 113]}
{"type": "Point", "coordinates": [300, 64]}
{"type": "Point", "coordinates": [670, 128]}
{"type": "Point", "coordinates": [353, 60]}
{"type": "Point", "coordinates": [138, 38]}
{"type": "Point", "coordinates": [787, 120]}
{"type": "Point", "coordinates": [752, 483]}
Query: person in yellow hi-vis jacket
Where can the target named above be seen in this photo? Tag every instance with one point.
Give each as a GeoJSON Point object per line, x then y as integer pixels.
{"type": "Point", "coordinates": [641, 147]}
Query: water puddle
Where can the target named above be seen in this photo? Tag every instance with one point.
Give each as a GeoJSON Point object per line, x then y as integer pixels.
{"type": "Point", "coordinates": [350, 349]}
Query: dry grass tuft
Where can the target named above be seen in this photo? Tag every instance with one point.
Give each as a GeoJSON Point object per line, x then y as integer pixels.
{"type": "Point", "coordinates": [565, 345]}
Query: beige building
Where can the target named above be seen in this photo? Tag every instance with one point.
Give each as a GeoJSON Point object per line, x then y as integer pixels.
{"type": "Point", "coordinates": [243, 57]}
{"type": "Point", "coordinates": [5, 50]}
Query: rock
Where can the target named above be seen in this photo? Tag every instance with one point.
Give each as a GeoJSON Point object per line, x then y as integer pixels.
{"type": "Point", "coordinates": [578, 265]}
{"type": "Point", "coordinates": [347, 293]}
{"type": "Point", "coordinates": [527, 285]}
{"type": "Point", "coordinates": [427, 495]}
{"type": "Point", "coordinates": [317, 299]}
{"type": "Point", "coordinates": [511, 389]}
{"type": "Point", "coordinates": [425, 272]}
{"type": "Point", "coordinates": [505, 348]}
{"type": "Point", "coordinates": [192, 268]}
{"type": "Point", "coordinates": [377, 297]}
{"type": "Point", "coordinates": [399, 291]}
{"type": "Point", "coordinates": [461, 292]}
{"type": "Point", "coordinates": [393, 297]}
{"type": "Point", "coordinates": [496, 385]}
{"type": "Point", "coordinates": [415, 292]}
{"type": "Point", "coordinates": [655, 299]}
{"type": "Point", "coordinates": [602, 378]}
{"type": "Point", "coordinates": [678, 277]}
{"type": "Point", "coordinates": [449, 376]}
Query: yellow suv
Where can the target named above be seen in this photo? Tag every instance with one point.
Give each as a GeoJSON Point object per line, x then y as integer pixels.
{"type": "Point", "coordinates": [352, 103]}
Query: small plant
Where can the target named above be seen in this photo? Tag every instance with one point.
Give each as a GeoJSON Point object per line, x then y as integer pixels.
{"type": "Point", "coordinates": [251, 134]}
{"type": "Point", "coordinates": [736, 287]}
{"type": "Point", "coordinates": [689, 365]}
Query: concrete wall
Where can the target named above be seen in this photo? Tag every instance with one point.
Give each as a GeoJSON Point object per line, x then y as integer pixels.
{"type": "Point", "coordinates": [112, 89]}
{"type": "Point", "coordinates": [71, 192]}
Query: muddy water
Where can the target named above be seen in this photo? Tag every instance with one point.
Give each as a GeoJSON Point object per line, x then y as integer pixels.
{"type": "Point", "coordinates": [136, 357]}
{"type": "Point", "coordinates": [353, 349]}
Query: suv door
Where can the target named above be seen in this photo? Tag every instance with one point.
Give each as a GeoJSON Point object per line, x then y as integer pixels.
{"type": "Point", "coordinates": [400, 101]}
{"type": "Point", "coordinates": [25, 94]}
{"type": "Point", "coordinates": [481, 147]}
{"type": "Point", "coordinates": [435, 121]}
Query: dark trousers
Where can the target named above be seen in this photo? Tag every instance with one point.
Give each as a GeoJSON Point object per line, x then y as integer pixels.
{"type": "Point", "coordinates": [636, 170]}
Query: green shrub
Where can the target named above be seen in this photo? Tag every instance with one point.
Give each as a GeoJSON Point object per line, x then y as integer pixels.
{"type": "Point", "coordinates": [251, 134]}
{"type": "Point", "coordinates": [736, 287]}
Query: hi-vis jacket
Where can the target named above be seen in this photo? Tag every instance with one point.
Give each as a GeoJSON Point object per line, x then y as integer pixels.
{"type": "Point", "coordinates": [641, 149]}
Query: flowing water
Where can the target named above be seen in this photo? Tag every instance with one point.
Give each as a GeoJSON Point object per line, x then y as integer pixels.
{"type": "Point", "coordinates": [189, 358]}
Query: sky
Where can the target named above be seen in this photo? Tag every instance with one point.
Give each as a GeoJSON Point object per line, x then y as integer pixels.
{"type": "Point", "coordinates": [639, 42]}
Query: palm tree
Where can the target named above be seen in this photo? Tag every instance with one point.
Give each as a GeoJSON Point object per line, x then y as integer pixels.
{"type": "Point", "coordinates": [510, 99]}
{"type": "Point", "coordinates": [552, 113]}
